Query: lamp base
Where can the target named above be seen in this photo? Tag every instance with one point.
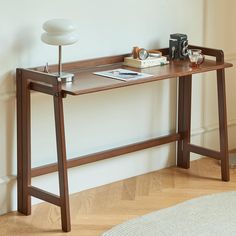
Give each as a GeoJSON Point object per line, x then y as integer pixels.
{"type": "Point", "coordinates": [66, 77]}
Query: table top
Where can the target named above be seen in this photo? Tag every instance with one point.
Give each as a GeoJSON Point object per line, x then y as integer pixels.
{"type": "Point", "coordinates": [86, 82]}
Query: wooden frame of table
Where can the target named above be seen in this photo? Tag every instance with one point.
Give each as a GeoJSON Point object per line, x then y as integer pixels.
{"type": "Point", "coordinates": [85, 82]}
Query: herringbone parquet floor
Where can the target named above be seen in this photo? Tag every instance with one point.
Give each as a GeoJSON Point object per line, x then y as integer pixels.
{"type": "Point", "coordinates": [96, 210]}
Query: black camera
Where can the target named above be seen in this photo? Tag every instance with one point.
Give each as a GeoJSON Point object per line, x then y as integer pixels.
{"type": "Point", "coordinates": [178, 46]}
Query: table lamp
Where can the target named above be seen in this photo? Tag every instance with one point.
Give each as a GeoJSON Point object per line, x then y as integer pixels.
{"type": "Point", "coordinates": [60, 32]}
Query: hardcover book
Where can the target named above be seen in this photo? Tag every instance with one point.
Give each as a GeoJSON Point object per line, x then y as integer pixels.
{"type": "Point", "coordinates": [150, 61]}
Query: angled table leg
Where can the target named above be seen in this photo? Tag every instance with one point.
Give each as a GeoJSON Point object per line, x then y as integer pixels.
{"type": "Point", "coordinates": [184, 121]}
{"type": "Point", "coordinates": [24, 188]}
{"type": "Point", "coordinates": [184, 126]}
{"type": "Point", "coordinates": [62, 165]}
{"type": "Point", "coordinates": [223, 125]}
{"type": "Point", "coordinates": [23, 145]}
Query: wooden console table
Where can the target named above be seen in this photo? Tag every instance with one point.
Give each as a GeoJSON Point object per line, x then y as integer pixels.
{"type": "Point", "coordinates": [87, 82]}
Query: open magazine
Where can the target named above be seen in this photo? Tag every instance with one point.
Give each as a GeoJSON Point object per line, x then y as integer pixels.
{"type": "Point", "coordinates": [122, 74]}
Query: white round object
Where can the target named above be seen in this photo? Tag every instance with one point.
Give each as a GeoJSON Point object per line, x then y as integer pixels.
{"type": "Point", "coordinates": [59, 26]}
{"type": "Point", "coordinates": [59, 39]}
{"type": "Point", "coordinates": [59, 32]}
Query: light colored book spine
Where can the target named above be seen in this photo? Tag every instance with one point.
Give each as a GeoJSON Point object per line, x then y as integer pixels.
{"type": "Point", "coordinates": [130, 61]}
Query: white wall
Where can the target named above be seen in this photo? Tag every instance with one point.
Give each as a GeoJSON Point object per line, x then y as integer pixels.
{"type": "Point", "coordinates": [106, 119]}
{"type": "Point", "coordinates": [219, 33]}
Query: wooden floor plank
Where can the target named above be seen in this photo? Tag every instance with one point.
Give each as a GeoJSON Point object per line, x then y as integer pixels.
{"type": "Point", "coordinates": [97, 210]}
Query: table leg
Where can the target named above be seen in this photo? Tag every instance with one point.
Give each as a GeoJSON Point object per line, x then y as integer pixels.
{"type": "Point", "coordinates": [223, 125]}
{"type": "Point", "coordinates": [23, 145]}
{"type": "Point", "coordinates": [62, 166]}
{"type": "Point", "coordinates": [184, 121]}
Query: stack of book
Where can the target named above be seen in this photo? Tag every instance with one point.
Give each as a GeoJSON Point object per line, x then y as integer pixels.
{"type": "Point", "coordinates": [150, 61]}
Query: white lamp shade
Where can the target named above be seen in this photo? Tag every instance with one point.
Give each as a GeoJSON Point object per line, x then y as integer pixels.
{"type": "Point", "coordinates": [59, 39]}
{"type": "Point", "coordinates": [59, 26]}
{"type": "Point", "coordinates": [59, 32]}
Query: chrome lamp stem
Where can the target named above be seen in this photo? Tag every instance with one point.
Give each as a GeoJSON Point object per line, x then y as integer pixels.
{"type": "Point", "coordinates": [59, 62]}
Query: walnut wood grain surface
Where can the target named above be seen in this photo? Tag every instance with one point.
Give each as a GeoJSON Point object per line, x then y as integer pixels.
{"type": "Point", "coordinates": [86, 82]}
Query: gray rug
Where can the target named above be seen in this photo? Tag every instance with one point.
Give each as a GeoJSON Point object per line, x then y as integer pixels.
{"type": "Point", "coordinates": [212, 215]}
